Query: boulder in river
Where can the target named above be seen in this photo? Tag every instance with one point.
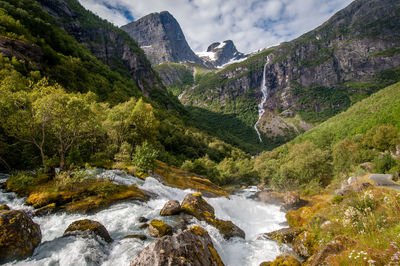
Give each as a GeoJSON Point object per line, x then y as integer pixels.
{"type": "Point", "coordinates": [158, 228]}
{"type": "Point", "coordinates": [141, 237]}
{"type": "Point", "coordinates": [270, 197]}
{"type": "Point", "coordinates": [87, 227]}
{"type": "Point", "coordinates": [172, 207]}
{"type": "Point", "coordinates": [282, 260]}
{"type": "Point", "coordinates": [19, 235]}
{"type": "Point", "coordinates": [51, 208]}
{"type": "Point", "coordinates": [195, 205]}
{"type": "Point", "coordinates": [143, 219]}
{"type": "Point", "coordinates": [190, 247]}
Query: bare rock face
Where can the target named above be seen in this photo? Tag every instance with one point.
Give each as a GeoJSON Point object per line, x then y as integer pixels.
{"type": "Point", "coordinates": [223, 53]}
{"type": "Point", "coordinates": [162, 39]}
{"type": "Point", "coordinates": [191, 247]}
{"type": "Point", "coordinates": [172, 207]}
{"type": "Point", "coordinates": [87, 227]}
{"type": "Point", "coordinates": [19, 235]}
{"type": "Point", "coordinates": [195, 205]}
{"type": "Point", "coordinates": [158, 228]}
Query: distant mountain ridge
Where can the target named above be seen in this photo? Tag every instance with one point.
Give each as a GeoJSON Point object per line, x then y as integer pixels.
{"type": "Point", "coordinates": [162, 39]}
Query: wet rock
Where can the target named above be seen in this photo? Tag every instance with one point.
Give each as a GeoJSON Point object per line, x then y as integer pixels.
{"type": "Point", "coordinates": [191, 247]}
{"type": "Point", "coordinates": [158, 228]}
{"type": "Point", "coordinates": [4, 207]}
{"type": "Point", "coordinates": [143, 219]}
{"type": "Point", "coordinates": [283, 260]}
{"type": "Point", "coordinates": [182, 221]}
{"type": "Point", "coordinates": [143, 226]}
{"type": "Point", "coordinates": [51, 208]}
{"type": "Point", "coordinates": [293, 201]}
{"type": "Point", "coordinates": [88, 227]}
{"type": "Point", "coordinates": [334, 247]}
{"type": "Point", "coordinates": [172, 207]}
{"type": "Point", "coordinates": [195, 205]}
{"type": "Point", "coordinates": [141, 237]}
{"type": "Point", "coordinates": [285, 235]}
{"type": "Point", "coordinates": [270, 197]}
{"type": "Point", "coordinates": [304, 244]}
{"type": "Point", "coordinates": [19, 235]}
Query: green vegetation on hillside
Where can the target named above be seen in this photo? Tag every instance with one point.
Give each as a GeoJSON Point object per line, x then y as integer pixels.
{"type": "Point", "coordinates": [366, 132]}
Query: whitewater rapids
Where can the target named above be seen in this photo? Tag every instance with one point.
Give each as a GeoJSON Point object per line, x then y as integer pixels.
{"type": "Point", "coordinates": [121, 219]}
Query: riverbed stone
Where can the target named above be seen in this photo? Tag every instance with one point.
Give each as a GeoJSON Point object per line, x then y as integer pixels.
{"type": "Point", "coordinates": [158, 228]}
{"type": "Point", "coordinates": [141, 237]}
{"type": "Point", "coordinates": [172, 207]}
{"type": "Point", "coordinates": [190, 247]}
{"type": "Point", "coordinates": [143, 219]}
{"type": "Point", "coordinates": [195, 205]}
{"type": "Point", "coordinates": [19, 235]}
{"type": "Point", "coordinates": [88, 227]}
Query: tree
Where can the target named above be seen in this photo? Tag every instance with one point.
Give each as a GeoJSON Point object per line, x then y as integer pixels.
{"type": "Point", "coordinates": [68, 116]}
{"type": "Point", "coordinates": [144, 157]}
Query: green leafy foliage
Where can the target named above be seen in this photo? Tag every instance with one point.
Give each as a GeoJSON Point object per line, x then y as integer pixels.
{"type": "Point", "coordinates": [144, 157]}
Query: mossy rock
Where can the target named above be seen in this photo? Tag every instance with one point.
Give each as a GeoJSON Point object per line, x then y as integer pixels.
{"type": "Point", "coordinates": [195, 205]}
{"type": "Point", "coordinates": [51, 208]}
{"type": "Point", "coordinates": [227, 228]}
{"type": "Point", "coordinates": [4, 207]}
{"type": "Point", "coordinates": [19, 235]}
{"type": "Point", "coordinates": [283, 260]}
{"type": "Point", "coordinates": [305, 244]}
{"type": "Point", "coordinates": [158, 228]}
{"type": "Point", "coordinates": [284, 235]}
{"type": "Point", "coordinates": [300, 217]}
{"type": "Point", "coordinates": [87, 227]}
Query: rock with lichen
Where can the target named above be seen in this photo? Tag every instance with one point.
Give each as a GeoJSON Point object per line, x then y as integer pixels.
{"type": "Point", "coordinates": [4, 207]}
{"type": "Point", "coordinates": [158, 228]}
{"type": "Point", "coordinates": [172, 207]}
{"type": "Point", "coordinates": [190, 247]}
{"type": "Point", "coordinates": [19, 235]}
{"type": "Point", "coordinates": [51, 208]}
{"type": "Point", "coordinates": [284, 235]}
{"type": "Point", "coordinates": [88, 227]}
{"type": "Point", "coordinates": [283, 260]}
{"type": "Point", "coordinates": [195, 205]}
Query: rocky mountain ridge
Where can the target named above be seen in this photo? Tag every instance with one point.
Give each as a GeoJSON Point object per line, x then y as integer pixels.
{"type": "Point", "coordinates": [162, 39]}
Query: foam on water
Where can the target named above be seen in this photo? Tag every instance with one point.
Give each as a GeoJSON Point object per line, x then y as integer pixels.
{"type": "Point", "coordinates": [121, 219]}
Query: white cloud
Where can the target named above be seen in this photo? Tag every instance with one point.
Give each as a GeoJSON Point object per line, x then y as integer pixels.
{"type": "Point", "coordinates": [251, 24]}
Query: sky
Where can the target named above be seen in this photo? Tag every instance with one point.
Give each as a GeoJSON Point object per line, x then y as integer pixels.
{"type": "Point", "coordinates": [250, 24]}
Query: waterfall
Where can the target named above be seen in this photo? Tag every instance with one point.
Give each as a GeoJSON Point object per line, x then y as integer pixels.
{"type": "Point", "coordinates": [261, 109]}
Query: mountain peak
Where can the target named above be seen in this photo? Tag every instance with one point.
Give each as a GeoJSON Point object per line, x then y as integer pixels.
{"type": "Point", "coordinates": [222, 53]}
{"type": "Point", "coordinates": [161, 38]}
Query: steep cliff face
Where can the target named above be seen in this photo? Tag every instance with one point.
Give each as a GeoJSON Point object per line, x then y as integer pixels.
{"type": "Point", "coordinates": [109, 44]}
{"type": "Point", "coordinates": [321, 73]}
{"type": "Point", "coordinates": [162, 39]}
{"type": "Point", "coordinates": [219, 54]}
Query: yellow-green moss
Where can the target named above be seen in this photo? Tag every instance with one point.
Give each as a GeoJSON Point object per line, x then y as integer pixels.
{"type": "Point", "coordinates": [198, 230]}
{"type": "Point", "coordinates": [215, 256]}
{"type": "Point", "coordinates": [161, 227]}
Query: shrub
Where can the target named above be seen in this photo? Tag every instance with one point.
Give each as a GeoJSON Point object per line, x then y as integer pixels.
{"type": "Point", "coordinates": [144, 157]}
{"type": "Point", "coordinates": [384, 163]}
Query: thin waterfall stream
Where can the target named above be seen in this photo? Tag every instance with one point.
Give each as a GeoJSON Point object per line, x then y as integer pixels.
{"type": "Point", "coordinates": [261, 109]}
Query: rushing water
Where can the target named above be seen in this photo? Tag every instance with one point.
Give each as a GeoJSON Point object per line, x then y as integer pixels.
{"type": "Point", "coordinates": [261, 109]}
{"type": "Point", "coordinates": [121, 219]}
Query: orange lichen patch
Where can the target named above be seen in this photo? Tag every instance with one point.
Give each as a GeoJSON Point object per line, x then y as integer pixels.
{"type": "Point", "coordinates": [176, 177]}
{"type": "Point", "coordinates": [198, 230]}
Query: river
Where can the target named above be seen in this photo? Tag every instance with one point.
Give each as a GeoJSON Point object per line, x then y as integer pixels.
{"type": "Point", "coordinates": [121, 219]}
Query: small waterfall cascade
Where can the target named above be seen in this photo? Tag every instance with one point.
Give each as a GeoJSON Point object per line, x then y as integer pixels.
{"type": "Point", "coordinates": [261, 109]}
